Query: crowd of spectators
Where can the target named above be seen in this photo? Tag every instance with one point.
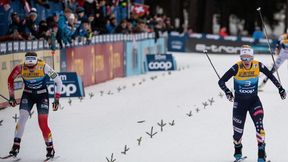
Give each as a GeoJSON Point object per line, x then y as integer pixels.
{"type": "Point", "coordinates": [81, 20]}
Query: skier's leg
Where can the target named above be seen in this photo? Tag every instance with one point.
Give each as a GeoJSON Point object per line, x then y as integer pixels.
{"type": "Point", "coordinates": [239, 117]}
{"type": "Point", "coordinates": [257, 115]}
{"type": "Point", "coordinates": [43, 111]}
{"type": "Point", "coordinates": [25, 107]}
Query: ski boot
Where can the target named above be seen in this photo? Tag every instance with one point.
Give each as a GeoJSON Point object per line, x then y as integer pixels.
{"type": "Point", "coordinates": [16, 147]}
{"type": "Point", "coordinates": [50, 152]}
{"type": "Point", "coordinates": [238, 151]}
{"type": "Point", "coordinates": [261, 152]}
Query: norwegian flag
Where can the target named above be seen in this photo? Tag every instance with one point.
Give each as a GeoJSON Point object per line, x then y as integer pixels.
{"type": "Point", "coordinates": [140, 9]}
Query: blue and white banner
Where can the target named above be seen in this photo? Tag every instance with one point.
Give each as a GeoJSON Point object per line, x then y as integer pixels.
{"type": "Point", "coordinates": [177, 43]}
{"type": "Point", "coordinates": [72, 85]}
{"type": "Point", "coordinates": [160, 62]}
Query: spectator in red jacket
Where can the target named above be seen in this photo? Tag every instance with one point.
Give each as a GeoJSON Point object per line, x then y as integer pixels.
{"type": "Point", "coordinates": [223, 32]}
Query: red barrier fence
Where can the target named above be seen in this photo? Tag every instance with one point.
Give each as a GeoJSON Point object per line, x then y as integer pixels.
{"type": "Point", "coordinates": [97, 63]}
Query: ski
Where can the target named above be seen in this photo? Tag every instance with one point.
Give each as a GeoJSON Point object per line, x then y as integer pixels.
{"type": "Point", "coordinates": [241, 159]}
{"type": "Point", "coordinates": [11, 157]}
{"type": "Point", "coordinates": [51, 158]}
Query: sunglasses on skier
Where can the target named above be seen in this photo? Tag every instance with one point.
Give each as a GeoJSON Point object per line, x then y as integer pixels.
{"type": "Point", "coordinates": [246, 58]}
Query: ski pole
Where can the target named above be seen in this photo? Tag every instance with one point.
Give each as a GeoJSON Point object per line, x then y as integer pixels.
{"type": "Point", "coordinates": [266, 36]}
{"type": "Point", "coordinates": [205, 51]}
{"type": "Point", "coordinates": [4, 97]}
{"type": "Point", "coordinates": [7, 99]}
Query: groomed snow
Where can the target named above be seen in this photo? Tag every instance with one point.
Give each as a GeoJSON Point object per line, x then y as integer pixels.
{"type": "Point", "coordinates": [93, 129]}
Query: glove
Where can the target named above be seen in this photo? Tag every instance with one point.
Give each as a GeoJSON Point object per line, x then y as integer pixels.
{"type": "Point", "coordinates": [55, 104]}
{"type": "Point", "coordinates": [12, 101]}
{"type": "Point", "coordinates": [282, 92]}
{"type": "Point", "coordinates": [229, 95]}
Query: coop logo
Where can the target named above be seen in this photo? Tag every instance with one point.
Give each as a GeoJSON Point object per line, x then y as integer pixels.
{"type": "Point", "coordinates": [67, 89]}
{"type": "Point", "coordinates": [160, 62]}
{"type": "Point", "coordinates": [246, 91]}
{"type": "Point", "coordinates": [72, 85]}
{"type": "Point", "coordinates": [162, 65]}
{"type": "Point", "coordinates": [217, 49]}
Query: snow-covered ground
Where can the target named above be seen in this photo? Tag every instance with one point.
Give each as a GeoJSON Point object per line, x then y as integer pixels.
{"type": "Point", "coordinates": [92, 129]}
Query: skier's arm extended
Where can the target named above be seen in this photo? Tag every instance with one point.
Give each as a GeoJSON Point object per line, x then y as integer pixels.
{"type": "Point", "coordinates": [269, 74]}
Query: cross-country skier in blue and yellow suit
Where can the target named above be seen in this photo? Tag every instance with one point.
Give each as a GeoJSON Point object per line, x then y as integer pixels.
{"type": "Point", "coordinates": [34, 73]}
{"type": "Point", "coordinates": [246, 75]}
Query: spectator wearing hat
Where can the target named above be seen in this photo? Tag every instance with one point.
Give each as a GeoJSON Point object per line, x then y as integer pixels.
{"type": "Point", "coordinates": [16, 29]}
{"type": "Point", "coordinates": [66, 34]}
{"type": "Point", "coordinates": [98, 24]}
{"type": "Point", "coordinates": [141, 27]}
{"type": "Point", "coordinates": [53, 20]}
{"type": "Point", "coordinates": [43, 31]}
{"type": "Point", "coordinates": [16, 24]}
{"type": "Point", "coordinates": [122, 27]}
{"type": "Point", "coordinates": [81, 14]}
{"type": "Point", "coordinates": [73, 26]}
{"type": "Point", "coordinates": [31, 25]}
{"type": "Point", "coordinates": [90, 7]}
{"type": "Point", "coordinates": [86, 31]}
{"type": "Point", "coordinates": [111, 25]}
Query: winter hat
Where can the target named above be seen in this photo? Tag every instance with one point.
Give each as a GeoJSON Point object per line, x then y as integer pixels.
{"type": "Point", "coordinates": [79, 10]}
{"type": "Point", "coordinates": [33, 11]}
{"type": "Point", "coordinates": [72, 16]}
{"type": "Point", "coordinates": [246, 50]}
{"type": "Point", "coordinates": [55, 13]}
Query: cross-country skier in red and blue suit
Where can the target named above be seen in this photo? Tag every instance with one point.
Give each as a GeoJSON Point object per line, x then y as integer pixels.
{"type": "Point", "coordinates": [34, 73]}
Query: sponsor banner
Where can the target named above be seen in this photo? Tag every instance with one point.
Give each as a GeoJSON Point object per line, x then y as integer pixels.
{"type": "Point", "coordinates": [10, 47]}
{"type": "Point", "coordinates": [63, 64]}
{"type": "Point", "coordinates": [136, 51]}
{"type": "Point", "coordinates": [15, 46]}
{"type": "Point", "coordinates": [116, 50]}
{"type": "Point", "coordinates": [108, 61]}
{"type": "Point", "coordinates": [176, 43]}
{"type": "Point", "coordinates": [22, 46]}
{"type": "Point", "coordinates": [134, 58]}
{"type": "Point", "coordinates": [3, 48]}
{"type": "Point", "coordinates": [72, 85]}
{"type": "Point", "coordinates": [223, 46]}
{"type": "Point", "coordinates": [79, 59]}
{"type": "Point", "coordinates": [96, 63]}
{"type": "Point", "coordinates": [29, 45]}
{"type": "Point", "coordinates": [160, 62]}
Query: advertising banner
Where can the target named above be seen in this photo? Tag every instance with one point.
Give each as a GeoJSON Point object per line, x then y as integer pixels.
{"type": "Point", "coordinates": [72, 85]}
{"type": "Point", "coordinates": [228, 45]}
{"type": "Point", "coordinates": [160, 62]}
{"type": "Point", "coordinates": [96, 63]}
{"type": "Point", "coordinates": [136, 51]}
{"type": "Point", "coordinates": [177, 43]}
{"type": "Point", "coordinates": [134, 58]}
